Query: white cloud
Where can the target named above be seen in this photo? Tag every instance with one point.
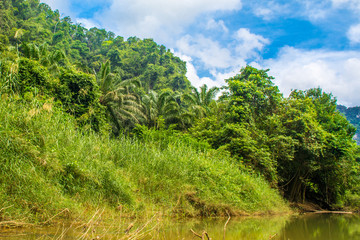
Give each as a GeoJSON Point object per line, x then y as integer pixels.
{"type": "Point", "coordinates": [158, 19]}
{"type": "Point", "coordinates": [354, 34]}
{"type": "Point", "coordinates": [333, 71]}
{"type": "Point", "coordinates": [217, 78]}
{"type": "Point", "coordinates": [249, 44]}
{"type": "Point", "coordinates": [209, 52]}
{"type": "Point", "coordinates": [268, 10]}
{"type": "Point", "coordinates": [265, 13]}
{"type": "Point", "coordinates": [245, 46]}
{"type": "Point", "coordinates": [351, 4]}
{"type": "Point", "coordinates": [312, 10]}
{"type": "Point", "coordinates": [216, 25]}
{"type": "Point", "coordinates": [192, 74]}
{"type": "Point", "coordinates": [87, 23]}
{"type": "Point", "coordinates": [222, 62]}
{"type": "Point", "coordinates": [316, 10]}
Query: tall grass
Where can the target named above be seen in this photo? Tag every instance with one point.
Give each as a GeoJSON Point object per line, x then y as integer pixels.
{"type": "Point", "coordinates": [47, 165]}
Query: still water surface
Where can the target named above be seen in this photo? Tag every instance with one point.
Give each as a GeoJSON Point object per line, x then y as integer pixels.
{"type": "Point", "coordinates": [305, 227]}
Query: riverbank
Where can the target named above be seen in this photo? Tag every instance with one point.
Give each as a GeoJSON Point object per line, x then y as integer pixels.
{"type": "Point", "coordinates": [49, 165]}
{"type": "Point", "coordinates": [324, 226]}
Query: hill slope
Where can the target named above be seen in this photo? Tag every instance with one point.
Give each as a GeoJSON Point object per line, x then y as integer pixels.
{"type": "Point", "coordinates": [49, 165]}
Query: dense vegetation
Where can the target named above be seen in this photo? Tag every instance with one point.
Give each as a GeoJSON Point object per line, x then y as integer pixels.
{"type": "Point", "coordinates": [89, 118]}
{"type": "Point", "coordinates": [48, 165]}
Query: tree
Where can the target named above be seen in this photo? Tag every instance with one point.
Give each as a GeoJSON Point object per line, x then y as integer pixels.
{"type": "Point", "coordinates": [52, 60]}
{"type": "Point", "coordinates": [324, 149]}
{"type": "Point", "coordinates": [253, 96]}
{"type": "Point", "coordinates": [160, 107]}
{"type": "Point", "coordinates": [122, 105]}
{"type": "Point", "coordinates": [199, 102]}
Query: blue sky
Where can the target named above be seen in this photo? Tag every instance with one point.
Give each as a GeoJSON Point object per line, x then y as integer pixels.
{"type": "Point", "coordinates": [304, 43]}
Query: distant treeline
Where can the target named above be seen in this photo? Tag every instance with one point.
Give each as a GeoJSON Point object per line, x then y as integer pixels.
{"type": "Point", "coordinates": [352, 114]}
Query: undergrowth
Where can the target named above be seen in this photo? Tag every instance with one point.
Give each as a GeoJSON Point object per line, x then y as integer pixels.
{"type": "Point", "coordinates": [48, 164]}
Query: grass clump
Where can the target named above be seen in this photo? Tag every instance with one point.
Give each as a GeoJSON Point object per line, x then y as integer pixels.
{"type": "Point", "coordinates": [48, 165]}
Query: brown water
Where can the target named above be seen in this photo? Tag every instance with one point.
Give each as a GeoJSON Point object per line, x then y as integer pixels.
{"type": "Point", "coordinates": [305, 227]}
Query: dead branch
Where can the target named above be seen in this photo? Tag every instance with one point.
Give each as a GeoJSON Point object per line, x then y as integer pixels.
{"type": "Point", "coordinates": [196, 234]}
{"type": "Point", "coordinates": [271, 237]}
{"type": "Point", "coordinates": [2, 209]}
{"type": "Point", "coordinates": [47, 221]}
{"type": "Point", "coordinates": [137, 232]}
{"type": "Point", "coordinates": [14, 224]}
{"type": "Point", "coordinates": [205, 234]}
{"type": "Point", "coordinates": [226, 224]}
{"type": "Point", "coordinates": [129, 228]}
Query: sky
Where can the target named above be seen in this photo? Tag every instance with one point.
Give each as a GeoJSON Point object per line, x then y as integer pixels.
{"type": "Point", "coordinates": [304, 43]}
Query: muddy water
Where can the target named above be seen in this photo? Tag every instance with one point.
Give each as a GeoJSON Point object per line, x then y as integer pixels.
{"type": "Point", "coordinates": [305, 227]}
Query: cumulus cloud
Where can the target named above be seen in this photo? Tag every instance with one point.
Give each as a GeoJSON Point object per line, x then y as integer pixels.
{"type": "Point", "coordinates": [354, 34]}
{"type": "Point", "coordinates": [217, 78]}
{"type": "Point", "coordinates": [333, 71]}
{"type": "Point", "coordinates": [244, 45]}
{"type": "Point", "coordinates": [210, 53]}
{"type": "Point", "coordinates": [222, 62]}
{"type": "Point", "coordinates": [216, 25]}
{"type": "Point", "coordinates": [192, 74]}
{"type": "Point", "coordinates": [249, 44]}
{"type": "Point", "coordinates": [159, 19]}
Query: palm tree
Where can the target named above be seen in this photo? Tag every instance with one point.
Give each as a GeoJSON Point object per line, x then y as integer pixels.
{"type": "Point", "coordinates": [160, 106]}
{"type": "Point", "coordinates": [31, 51]}
{"type": "Point", "coordinates": [199, 102]}
{"type": "Point", "coordinates": [51, 60]}
{"type": "Point", "coordinates": [122, 105]}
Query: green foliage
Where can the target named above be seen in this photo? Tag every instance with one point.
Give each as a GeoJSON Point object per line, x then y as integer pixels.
{"type": "Point", "coordinates": [48, 165]}
{"type": "Point", "coordinates": [77, 91]}
{"type": "Point", "coordinates": [8, 77]}
{"type": "Point", "coordinates": [166, 137]}
{"type": "Point", "coordinates": [253, 96]}
{"type": "Point", "coordinates": [160, 109]}
{"type": "Point", "coordinates": [199, 102]}
{"type": "Point", "coordinates": [324, 149]}
{"type": "Point", "coordinates": [301, 144]}
{"type": "Point", "coordinates": [32, 76]}
{"type": "Point", "coordinates": [54, 43]}
{"type": "Point", "coordinates": [79, 95]}
{"type": "Point", "coordinates": [119, 98]}
{"type": "Point", "coordinates": [242, 130]}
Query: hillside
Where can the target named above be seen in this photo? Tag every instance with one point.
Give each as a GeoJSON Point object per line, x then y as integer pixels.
{"type": "Point", "coordinates": [49, 165]}
{"type": "Point", "coordinates": [352, 114]}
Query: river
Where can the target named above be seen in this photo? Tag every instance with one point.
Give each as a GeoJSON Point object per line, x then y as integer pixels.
{"type": "Point", "coordinates": [302, 227]}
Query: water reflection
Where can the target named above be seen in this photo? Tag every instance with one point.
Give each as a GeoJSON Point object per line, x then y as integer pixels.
{"type": "Point", "coordinates": [238, 228]}
{"type": "Point", "coordinates": [322, 227]}
{"type": "Point", "coordinates": [304, 227]}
